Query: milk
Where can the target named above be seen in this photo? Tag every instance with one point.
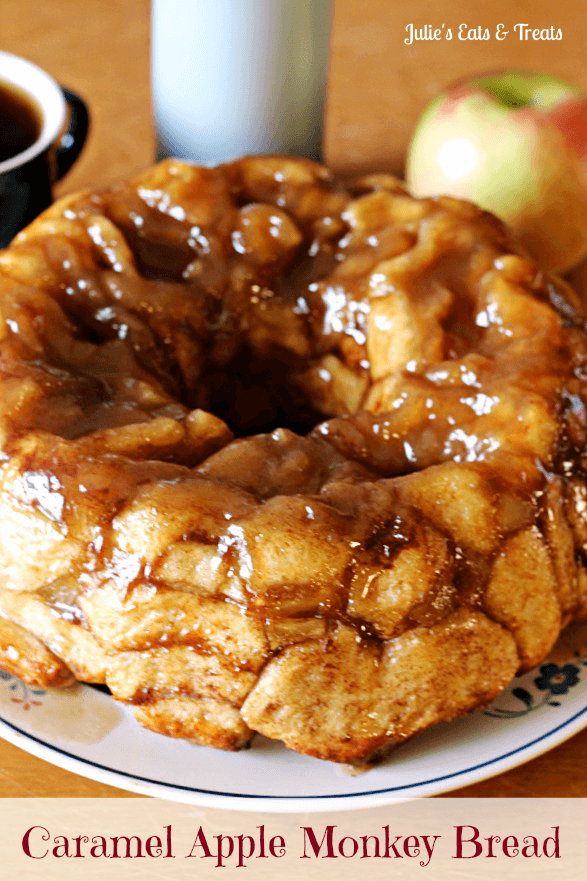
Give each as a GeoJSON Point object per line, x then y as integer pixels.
{"type": "Point", "coordinates": [231, 77]}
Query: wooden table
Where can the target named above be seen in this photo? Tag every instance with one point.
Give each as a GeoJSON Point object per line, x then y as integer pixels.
{"type": "Point", "coordinates": [378, 87]}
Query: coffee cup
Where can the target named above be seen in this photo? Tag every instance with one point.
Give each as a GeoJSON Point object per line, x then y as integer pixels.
{"type": "Point", "coordinates": [43, 128]}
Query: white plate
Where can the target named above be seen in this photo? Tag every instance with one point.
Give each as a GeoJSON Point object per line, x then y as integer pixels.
{"type": "Point", "coordinates": [85, 731]}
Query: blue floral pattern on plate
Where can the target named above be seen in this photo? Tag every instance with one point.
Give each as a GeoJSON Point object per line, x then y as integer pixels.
{"type": "Point", "coordinates": [554, 681]}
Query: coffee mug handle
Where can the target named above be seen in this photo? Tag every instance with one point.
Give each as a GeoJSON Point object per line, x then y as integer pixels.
{"type": "Point", "coordinates": [73, 140]}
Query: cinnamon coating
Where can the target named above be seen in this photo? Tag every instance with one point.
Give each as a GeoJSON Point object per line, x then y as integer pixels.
{"type": "Point", "coordinates": [287, 455]}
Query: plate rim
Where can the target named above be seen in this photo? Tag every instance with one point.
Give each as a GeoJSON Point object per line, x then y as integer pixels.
{"type": "Point", "coordinates": [252, 802]}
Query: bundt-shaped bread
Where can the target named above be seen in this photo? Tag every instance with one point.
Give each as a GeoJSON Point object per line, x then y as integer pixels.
{"type": "Point", "coordinates": [287, 455]}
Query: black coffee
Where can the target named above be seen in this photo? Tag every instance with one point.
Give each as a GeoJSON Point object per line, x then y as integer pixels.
{"type": "Point", "coordinates": [20, 121]}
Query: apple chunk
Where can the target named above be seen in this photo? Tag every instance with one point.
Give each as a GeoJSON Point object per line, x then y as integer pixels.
{"type": "Point", "coordinates": [516, 144]}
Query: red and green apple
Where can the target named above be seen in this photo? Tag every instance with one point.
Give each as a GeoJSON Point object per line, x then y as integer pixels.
{"type": "Point", "coordinates": [516, 144]}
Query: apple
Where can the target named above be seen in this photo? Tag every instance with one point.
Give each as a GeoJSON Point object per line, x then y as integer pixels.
{"type": "Point", "coordinates": [516, 144]}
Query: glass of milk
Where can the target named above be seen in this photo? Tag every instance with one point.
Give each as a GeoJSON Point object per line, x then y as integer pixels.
{"type": "Point", "coordinates": [231, 77]}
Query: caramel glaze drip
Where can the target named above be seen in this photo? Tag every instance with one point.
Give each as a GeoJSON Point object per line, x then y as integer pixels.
{"type": "Point", "coordinates": [406, 388]}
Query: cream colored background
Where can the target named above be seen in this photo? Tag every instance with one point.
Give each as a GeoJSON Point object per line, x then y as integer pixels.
{"type": "Point", "coordinates": [145, 817]}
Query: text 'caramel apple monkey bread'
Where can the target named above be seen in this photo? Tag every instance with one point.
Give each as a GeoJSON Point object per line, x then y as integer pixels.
{"type": "Point", "coordinates": [286, 455]}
